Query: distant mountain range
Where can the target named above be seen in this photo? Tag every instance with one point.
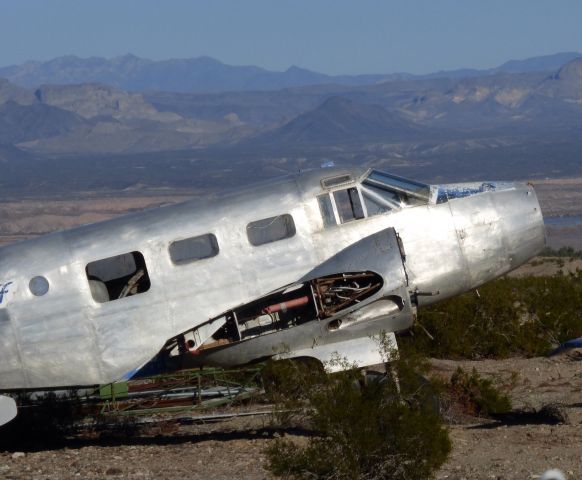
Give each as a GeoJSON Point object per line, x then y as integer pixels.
{"type": "Point", "coordinates": [205, 74]}
{"type": "Point", "coordinates": [97, 118]}
{"type": "Point", "coordinates": [523, 118]}
{"type": "Point", "coordinates": [202, 74]}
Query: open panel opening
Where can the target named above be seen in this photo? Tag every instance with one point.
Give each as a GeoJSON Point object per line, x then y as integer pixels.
{"type": "Point", "coordinates": [286, 308]}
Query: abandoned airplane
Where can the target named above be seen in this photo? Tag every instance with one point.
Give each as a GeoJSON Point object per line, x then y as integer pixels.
{"type": "Point", "coordinates": [304, 266]}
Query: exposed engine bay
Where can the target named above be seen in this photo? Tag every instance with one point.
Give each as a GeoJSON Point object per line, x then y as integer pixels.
{"type": "Point", "coordinates": [317, 299]}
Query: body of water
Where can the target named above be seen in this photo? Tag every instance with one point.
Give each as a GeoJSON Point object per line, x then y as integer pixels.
{"type": "Point", "coordinates": [563, 221]}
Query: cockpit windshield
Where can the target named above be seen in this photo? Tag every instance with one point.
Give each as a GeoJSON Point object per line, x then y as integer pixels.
{"type": "Point", "coordinates": [345, 200]}
{"type": "Point", "coordinates": [383, 192]}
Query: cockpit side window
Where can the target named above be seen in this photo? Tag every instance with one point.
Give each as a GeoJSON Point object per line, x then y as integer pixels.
{"type": "Point", "coordinates": [341, 206]}
{"type": "Point", "coordinates": [326, 209]}
{"type": "Point", "coordinates": [348, 204]}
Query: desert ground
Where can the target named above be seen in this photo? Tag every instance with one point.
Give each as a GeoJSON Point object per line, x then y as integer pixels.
{"type": "Point", "coordinates": [521, 446]}
{"type": "Point", "coordinates": [26, 217]}
{"type": "Point", "coordinates": [562, 197]}
{"type": "Point", "coordinates": [518, 447]}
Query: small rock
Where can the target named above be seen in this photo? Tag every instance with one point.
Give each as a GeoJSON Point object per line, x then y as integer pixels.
{"type": "Point", "coordinates": [18, 455]}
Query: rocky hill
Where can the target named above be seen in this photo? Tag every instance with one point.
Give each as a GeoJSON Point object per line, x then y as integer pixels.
{"type": "Point", "coordinates": [96, 100]}
{"type": "Point", "coordinates": [96, 118]}
{"type": "Point", "coordinates": [339, 120]}
{"type": "Point", "coordinates": [566, 84]}
{"type": "Point", "coordinates": [21, 123]}
{"type": "Point", "coordinates": [11, 92]}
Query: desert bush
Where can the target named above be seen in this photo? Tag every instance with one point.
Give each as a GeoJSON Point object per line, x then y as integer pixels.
{"type": "Point", "coordinates": [561, 252]}
{"type": "Point", "coordinates": [366, 429]}
{"type": "Point", "coordinates": [510, 316]}
{"type": "Point", "coordinates": [476, 395]}
{"type": "Point", "coordinates": [288, 384]}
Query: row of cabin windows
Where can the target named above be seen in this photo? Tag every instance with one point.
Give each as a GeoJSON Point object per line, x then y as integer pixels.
{"type": "Point", "coordinates": [260, 232]}
{"type": "Point", "coordinates": [126, 275]}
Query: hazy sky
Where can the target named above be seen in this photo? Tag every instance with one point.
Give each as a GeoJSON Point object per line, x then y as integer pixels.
{"type": "Point", "coordinates": [331, 36]}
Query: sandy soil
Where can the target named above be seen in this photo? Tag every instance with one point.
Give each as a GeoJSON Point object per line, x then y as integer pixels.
{"type": "Point", "coordinates": [520, 446]}
{"type": "Point", "coordinates": [29, 217]}
{"type": "Point", "coordinates": [523, 446]}
{"type": "Point", "coordinates": [234, 451]}
{"type": "Point", "coordinates": [560, 196]}
{"type": "Point", "coordinates": [548, 266]}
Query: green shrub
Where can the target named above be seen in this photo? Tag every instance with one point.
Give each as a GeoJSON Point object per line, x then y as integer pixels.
{"type": "Point", "coordinates": [373, 429]}
{"type": "Point", "coordinates": [476, 395]}
{"type": "Point", "coordinates": [287, 383]}
{"type": "Point", "coordinates": [561, 252]}
{"type": "Point", "coordinates": [510, 316]}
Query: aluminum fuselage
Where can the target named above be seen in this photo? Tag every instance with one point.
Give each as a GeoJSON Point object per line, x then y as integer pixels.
{"type": "Point", "coordinates": [65, 337]}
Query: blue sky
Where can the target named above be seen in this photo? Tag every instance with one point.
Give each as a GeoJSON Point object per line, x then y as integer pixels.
{"type": "Point", "coordinates": [330, 36]}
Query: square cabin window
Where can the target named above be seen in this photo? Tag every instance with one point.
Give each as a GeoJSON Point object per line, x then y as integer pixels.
{"type": "Point", "coordinates": [270, 229]}
{"type": "Point", "coordinates": [193, 249]}
{"type": "Point", "coordinates": [118, 277]}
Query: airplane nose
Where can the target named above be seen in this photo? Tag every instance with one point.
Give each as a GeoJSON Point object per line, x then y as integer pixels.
{"type": "Point", "coordinates": [522, 223]}
{"type": "Point", "coordinates": [498, 231]}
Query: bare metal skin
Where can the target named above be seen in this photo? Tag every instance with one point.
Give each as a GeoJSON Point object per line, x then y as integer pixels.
{"type": "Point", "coordinates": [53, 331]}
